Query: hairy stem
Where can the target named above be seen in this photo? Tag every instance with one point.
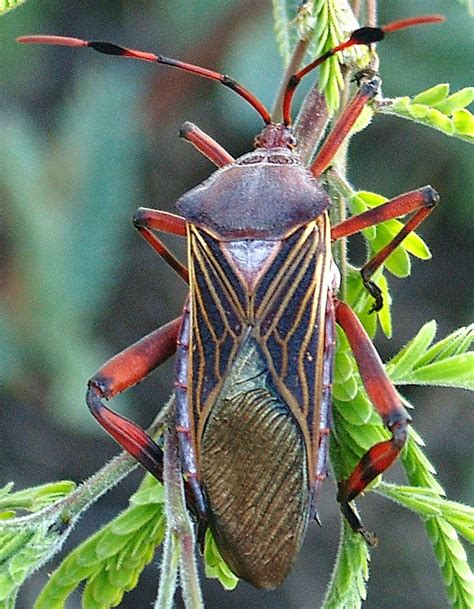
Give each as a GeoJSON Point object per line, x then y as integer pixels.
{"type": "Point", "coordinates": [295, 62]}
{"type": "Point", "coordinates": [71, 507]}
{"type": "Point", "coordinates": [180, 529]}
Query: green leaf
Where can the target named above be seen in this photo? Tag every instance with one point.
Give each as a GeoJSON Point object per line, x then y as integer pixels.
{"type": "Point", "coordinates": [346, 391]}
{"type": "Point", "coordinates": [440, 121]}
{"type": "Point", "coordinates": [348, 586]}
{"type": "Point", "coordinates": [452, 560]}
{"type": "Point", "coordinates": [415, 245]}
{"type": "Point", "coordinates": [343, 366]}
{"type": "Point", "coordinates": [357, 411]}
{"type": "Point", "coordinates": [428, 502]}
{"type": "Point", "coordinates": [35, 498]}
{"type": "Point", "coordinates": [455, 371]}
{"type": "Point", "coordinates": [418, 111]}
{"type": "Point", "coordinates": [412, 243]}
{"type": "Point", "coordinates": [445, 363]}
{"type": "Point", "coordinates": [371, 199]}
{"type": "Point", "coordinates": [28, 542]}
{"type": "Point", "coordinates": [398, 263]}
{"type": "Point", "coordinates": [455, 343]}
{"type": "Point", "coordinates": [432, 96]}
{"type": "Point", "coordinates": [448, 551]}
{"type": "Point", "coordinates": [403, 362]}
{"type": "Point", "coordinates": [112, 560]}
{"type": "Point", "coordinates": [457, 101]}
{"type": "Point", "coordinates": [377, 236]}
{"type": "Point", "coordinates": [363, 120]}
{"type": "Point", "coordinates": [22, 552]}
{"type": "Point", "coordinates": [215, 566]}
{"type": "Point", "coordinates": [448, 114]}
{"type": "Point", "coordinates": [333, 22]}
{"type": "Point", "coordinates": [8, 5]}
{"type": "Point", "coordinates": [443, 520]}
{"type": "Point", "coordinates": [358, 206]}
{"type": "Point", "coordinates": [463, 122]}
{"type": "Point", "coordinates": [361, 301]}
{"type": "Point", "coordinates": [357, 428]}
{"type": "Point", "coordinates": [419, 470]}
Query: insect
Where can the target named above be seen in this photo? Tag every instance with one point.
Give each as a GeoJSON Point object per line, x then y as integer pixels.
{"type": "Point", "coordinates": [255, 342]}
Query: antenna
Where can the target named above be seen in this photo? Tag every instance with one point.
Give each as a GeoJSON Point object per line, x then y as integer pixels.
{"type": "Point", "coordinates": [364, 35]}
{"type": "Point", "coordinates": [113, 49]}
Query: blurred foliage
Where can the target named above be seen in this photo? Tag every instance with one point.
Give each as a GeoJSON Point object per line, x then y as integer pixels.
{"type": "Point", "coordinates": [70, 196]}
{"type": "Point", "coordinates": [469, 6]}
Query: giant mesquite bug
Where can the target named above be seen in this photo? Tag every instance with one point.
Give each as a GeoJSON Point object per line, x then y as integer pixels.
{"type": "Point", "coordinates": [255, 342]}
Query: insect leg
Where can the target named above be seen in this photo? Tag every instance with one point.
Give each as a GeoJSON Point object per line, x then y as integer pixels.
{"type": "Point", "coordinates": [325, 412]}
{"type": "Point", "coordinates": [419, 202]}
{"type": "Point", "coordinates": [369, 86]}
{"type": "Point", "coordinates": [205, 144]}
{"type": "Point", "coordinates": [145, 220]}
{"type": "Point", "coordinates": [386, 401]}
{"type": "Point", "coordinates": [119, 374]}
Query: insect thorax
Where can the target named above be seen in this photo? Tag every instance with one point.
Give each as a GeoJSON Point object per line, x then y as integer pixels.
{"type": "Point", "coordinates": [265, 194]}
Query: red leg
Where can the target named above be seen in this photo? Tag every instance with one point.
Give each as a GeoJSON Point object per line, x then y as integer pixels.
{"type": "Point", "coordinates": [424, 198]}
{"type": "Point", "coordinates": [387, 403]}
{"type": "Point", "coordinates": [146, 219]}
{"type": "Point", "coordinates": [206, 145]}
{"type": "Point", "coordinates": [421, 202]}
{"type": "Point", "coordinates": [368, 89]}
{"type": "Point", "coordinates": [119, 374]}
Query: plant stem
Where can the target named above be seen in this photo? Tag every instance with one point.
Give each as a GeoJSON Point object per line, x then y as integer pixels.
{"type": "Point", "coordinates": [356, 8]}
{"type": "Point", "coordinates": [168, 571]}
{"type": "Point", "coordinates": [295, 62]}
{"type": "Point", "coordinates": [311, 123]}
{"type": "Point", "coordinates": [179, 526]}
{"type": "Point", "coordinates": [371, 13]}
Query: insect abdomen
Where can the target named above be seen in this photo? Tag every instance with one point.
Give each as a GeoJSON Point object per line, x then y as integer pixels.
{"type": "Point", "coordinates": [254, 472]}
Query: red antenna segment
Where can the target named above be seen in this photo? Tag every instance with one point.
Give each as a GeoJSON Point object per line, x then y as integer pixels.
{"type": "Point", "coordinates": [364, 35]}
{"type": "Point", "coordinates": [112, 49]}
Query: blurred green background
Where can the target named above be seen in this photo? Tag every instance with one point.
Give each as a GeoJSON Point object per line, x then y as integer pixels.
{"type": "Point", "coordinates": [87, 139]}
